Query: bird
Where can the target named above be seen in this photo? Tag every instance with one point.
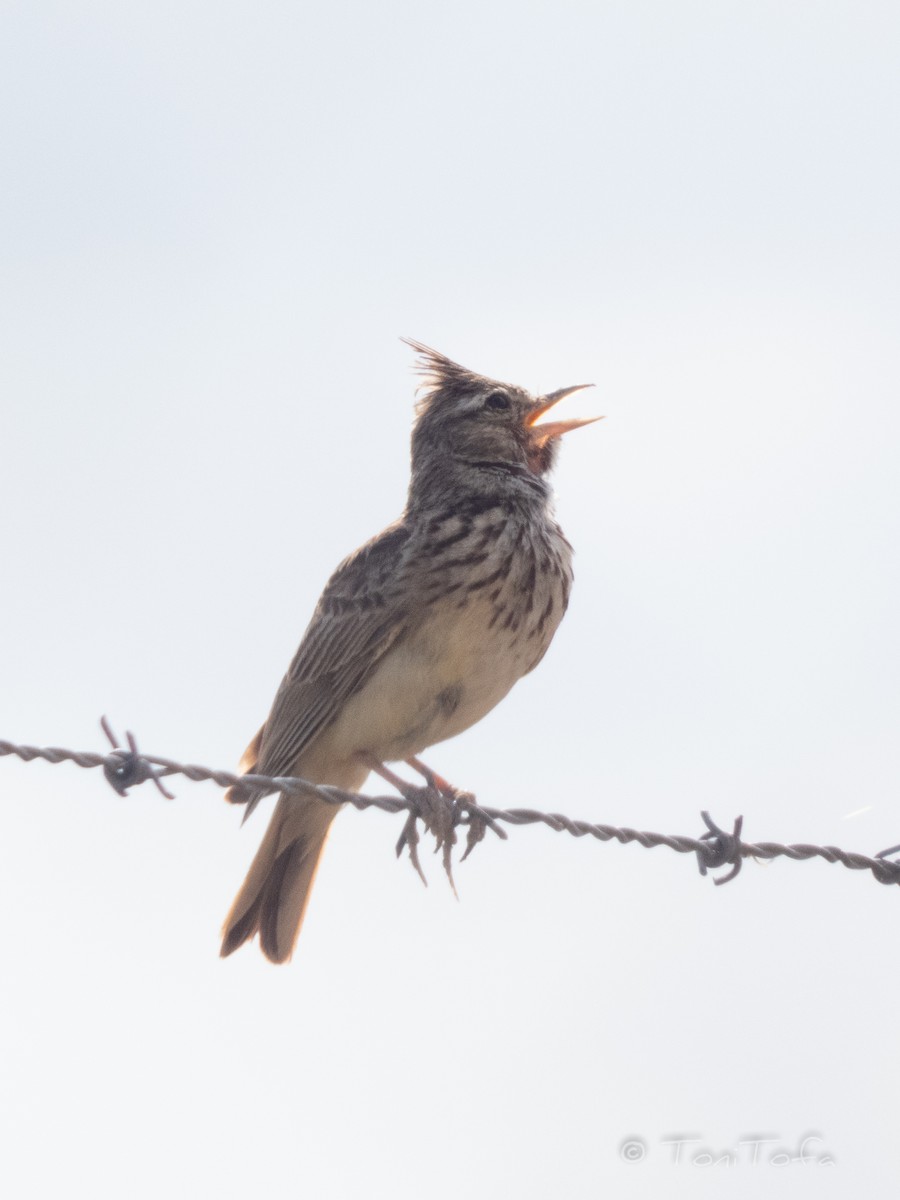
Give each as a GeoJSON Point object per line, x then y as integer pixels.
{"type": "Point", "coordinates": [419, 633]}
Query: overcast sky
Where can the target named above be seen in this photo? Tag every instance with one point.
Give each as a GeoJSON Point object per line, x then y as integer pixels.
{"type": "Point", "coordinates": [216, 222]}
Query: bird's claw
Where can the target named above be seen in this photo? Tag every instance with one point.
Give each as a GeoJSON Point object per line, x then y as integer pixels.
{"type": "Point", "coordinates": [439, 813]}
{"type": "Point", "coordinates": [441, 807]}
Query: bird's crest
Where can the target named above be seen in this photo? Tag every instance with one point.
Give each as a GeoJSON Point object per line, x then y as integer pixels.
{"type": "Point", "coordinates": [440, 376]}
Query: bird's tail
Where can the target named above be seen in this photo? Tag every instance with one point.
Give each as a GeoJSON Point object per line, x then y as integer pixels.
{"type": "Point", "coordinates": [272, 901]}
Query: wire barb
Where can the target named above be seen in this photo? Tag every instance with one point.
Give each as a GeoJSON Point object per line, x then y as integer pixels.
{"type": "Point", "coordinates": [720, 848]}
{"type": "Point", "coordinates": [441, 814]}
{"type": "Point", "coordinates": [127, 768]}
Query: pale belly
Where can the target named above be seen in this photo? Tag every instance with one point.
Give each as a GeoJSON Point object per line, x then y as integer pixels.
{"type": "Point", "coordinates": [441, 679]}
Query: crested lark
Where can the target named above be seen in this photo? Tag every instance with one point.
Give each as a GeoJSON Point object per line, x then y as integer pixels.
{"type": "Point", "coordinates": [420, 632]}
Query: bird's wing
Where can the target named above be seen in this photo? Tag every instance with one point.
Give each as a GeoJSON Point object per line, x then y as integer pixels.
{"type": "Point", "coordinates": [362, 612]}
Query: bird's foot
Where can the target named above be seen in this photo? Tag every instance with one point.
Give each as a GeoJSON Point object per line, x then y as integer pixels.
{"type": "Point", "coordinates": [438, 806]}
{"type": "Point", "coordinates": [467, 809]}
{"type": "Point", "coordinates": [441, 807]}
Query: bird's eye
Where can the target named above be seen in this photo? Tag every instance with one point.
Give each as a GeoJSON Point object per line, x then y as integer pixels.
{"type": "Point", "coordinates": [497, 401]}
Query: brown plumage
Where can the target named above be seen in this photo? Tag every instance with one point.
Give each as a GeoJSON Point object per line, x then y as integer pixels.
{"type": "Point", "coordinates": [417, 634]}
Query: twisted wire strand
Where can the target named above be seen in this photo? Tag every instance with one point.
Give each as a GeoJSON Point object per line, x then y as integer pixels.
{"type": "Point", "coordinates": [440, 815]}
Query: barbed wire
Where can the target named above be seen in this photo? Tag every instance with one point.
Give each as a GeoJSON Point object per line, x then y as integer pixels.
{"type": "Point", "coordinates": [442, 813]}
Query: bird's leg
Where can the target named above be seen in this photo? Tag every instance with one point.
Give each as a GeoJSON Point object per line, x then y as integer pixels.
{"type": "Point", "coordinates": [407, 790]}
{"type": "Point", "coordinates": [410, 791]}
{"type": "Point", "coordinates": [438, 782]}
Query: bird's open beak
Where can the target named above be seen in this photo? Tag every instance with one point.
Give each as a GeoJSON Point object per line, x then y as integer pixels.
{"type": "Point", "coordinates": [546, 430]}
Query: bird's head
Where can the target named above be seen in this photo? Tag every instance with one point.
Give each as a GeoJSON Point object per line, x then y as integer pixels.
{"type": "Point", "coordinates": [468, 422]}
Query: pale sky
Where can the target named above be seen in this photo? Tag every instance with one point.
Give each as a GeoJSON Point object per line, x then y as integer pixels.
{"type": "Point", "coordinates": [216, 223]}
